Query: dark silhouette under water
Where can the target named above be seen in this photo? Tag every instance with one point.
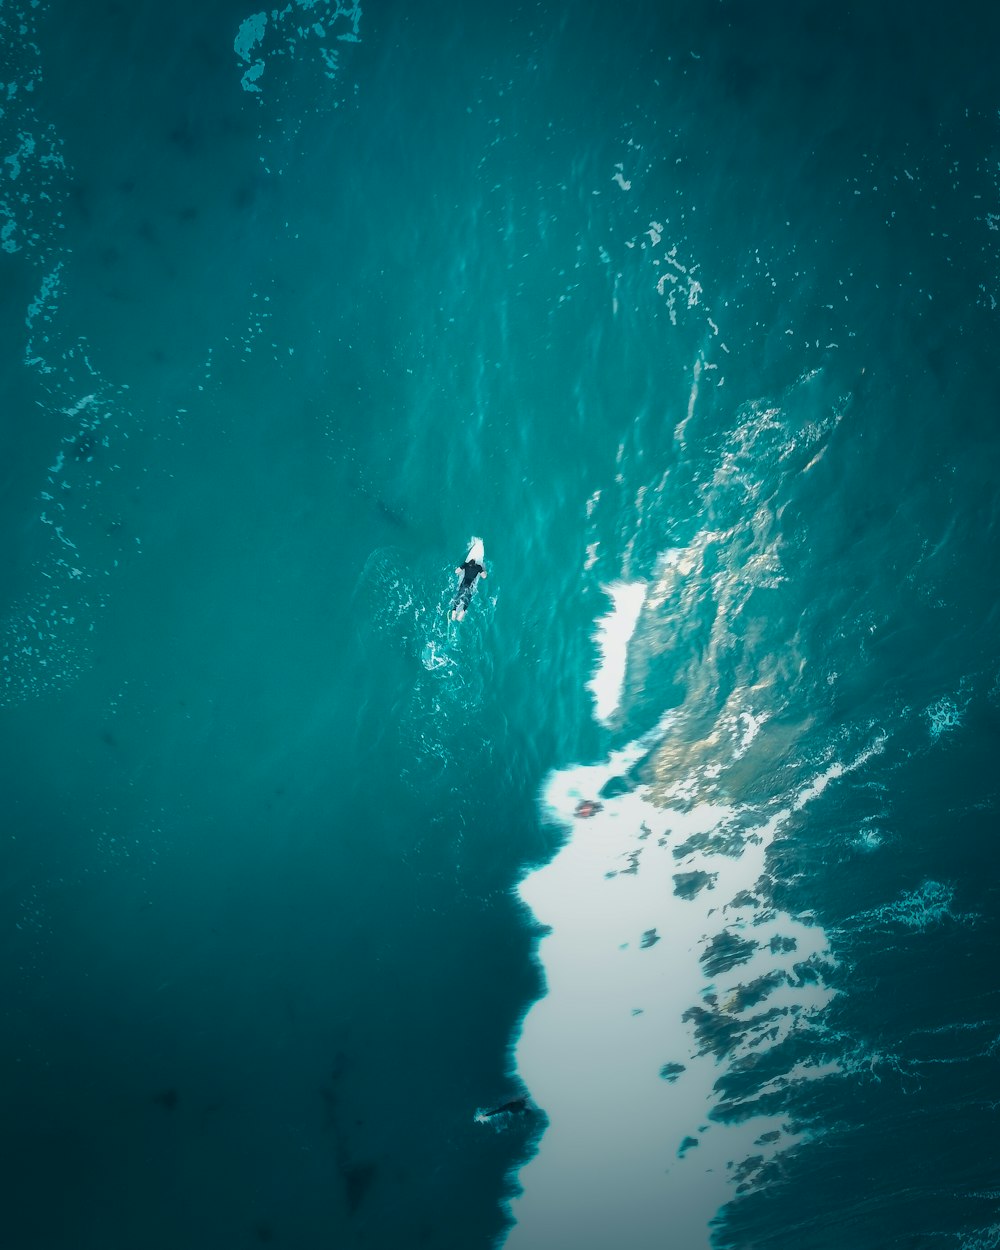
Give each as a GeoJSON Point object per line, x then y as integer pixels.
{"type": "Point", "coordinates": [357, 1176]}
{"type": "Point", "coordinates": [516, 1106]}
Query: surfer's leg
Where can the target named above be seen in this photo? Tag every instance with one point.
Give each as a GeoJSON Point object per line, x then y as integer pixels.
{"type": "Point", "coordinates": [462, 600]}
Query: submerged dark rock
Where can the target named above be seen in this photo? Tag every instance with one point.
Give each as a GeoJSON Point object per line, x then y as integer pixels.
{"type": "Point", "coordinates": [391, 515]}
{"type": "Point", "coordinates": [726, 951]}
{"type": "Point", "coordinates": [615, 787]}
{"type": "Point", "coordinates": [689, 884]}
{"type": "Point", "coordinates": [357, 1178]}
{"type": "Point", "coordinates": [671, 1071]}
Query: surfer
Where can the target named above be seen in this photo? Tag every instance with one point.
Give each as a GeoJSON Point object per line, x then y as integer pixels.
{"type": "Point", "coordinates": [516, 1106]}
{"type": "Point", "coordinates": [468, 571]}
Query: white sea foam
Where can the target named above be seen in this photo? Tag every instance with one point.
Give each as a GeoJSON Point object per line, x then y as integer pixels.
{"type": "Point", "coordinates": [614, 630]}
{"type": "Point", "coordinates": [624, 962]}
{"type": "Point", "coordinates": [654, 929]}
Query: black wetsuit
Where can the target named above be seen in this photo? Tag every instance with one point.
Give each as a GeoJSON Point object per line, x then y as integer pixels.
{"type": "Point", "coordinates": [517, 1106]}
{"type": "Point", "coordinates": [470, 571]}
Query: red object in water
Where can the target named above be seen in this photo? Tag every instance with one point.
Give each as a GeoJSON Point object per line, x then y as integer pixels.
{"type": "Point", "coordinates": [588, 807]}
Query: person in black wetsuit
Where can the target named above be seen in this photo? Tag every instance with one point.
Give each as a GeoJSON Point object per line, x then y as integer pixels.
{"type": "Point", "coordinates": [517, 1106]}
{"type": "Point", "coordinates": [468, 572]}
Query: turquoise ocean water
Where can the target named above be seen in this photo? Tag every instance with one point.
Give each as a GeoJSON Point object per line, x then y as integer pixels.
{"type": "Point", "coordinates": [690, 311]}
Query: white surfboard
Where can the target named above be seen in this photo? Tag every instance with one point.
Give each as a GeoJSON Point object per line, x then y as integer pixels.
{"type": "Point", "coordinates": [477, 553]}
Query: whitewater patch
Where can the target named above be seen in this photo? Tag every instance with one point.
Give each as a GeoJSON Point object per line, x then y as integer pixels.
{"type": "Point", "coordinates": [614, 630]}
{"type": "Point", "coordinates": [658, 946]}
{"type": "Point", "coordinates": [678, 1001]}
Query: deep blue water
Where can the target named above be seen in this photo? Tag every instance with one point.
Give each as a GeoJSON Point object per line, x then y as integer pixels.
{"type": "Point", "coordinates": [695, 299]}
